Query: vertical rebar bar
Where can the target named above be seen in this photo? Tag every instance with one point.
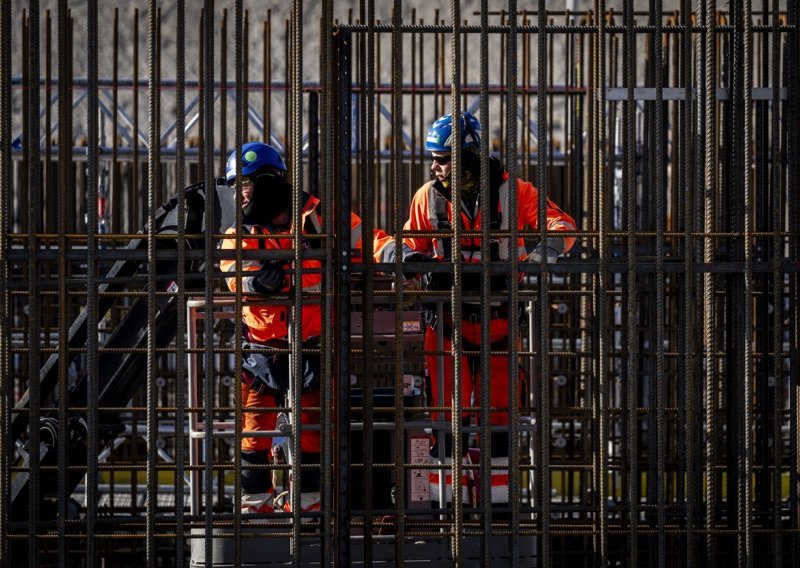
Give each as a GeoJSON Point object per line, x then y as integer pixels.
{"type": "Point", "coordinates": [776, 189]}
{"type": "Point", "coordinates": [543, 186]}
{"type": "Point", "coordinates": [136, 193]}
{"type": "Point", "coordinates": [207, 128]}
{"type": "Point", "coordinates": [601, 281]}
{"type": "Point", "coordinates": [687, 191]}
{"type": "Point", "coordinates": [153, 157]}
{"type": "Point", "coordinates": [180, 342]}
{"type": "Point", "coordinates": [793, 215]}
{"type": "Point", "coordinates": [295, 142]}
{"type": "Point", "coordinates": [455, 264]}
{"type": "Point", "coordinates": [48, 205]}
{"type": "Point", "coordinates": [6, 381]}
{"type": "Point", "coordinates": [709, 249]}
{"type": "Point", "coordinates": [368, 222]}
{"type": "Point", "coordinates": [747, 439]}
{"type": "Point", "coordinates": [34, 300]}
{"type": "Point", "coordinates": [267, 72]}
{"type": "Point", "coordinates": [327, 146]}
{"type": "Point", "coordinates": [223, 90]}
{"type": "Point", "coordinates": [660, 214]}
{"type": "Point", "coordinates": [64, 150]}
{"type": "Point", "coordinates": [486, 290]}
{"type": "Point", "coordinates": [632, 369]}
{"type": "Point", "coordinates": [397, 183]}
{"type": "Point", "coordinates": [240, 126]}
{"type": "Point", "coordinates": [343, 306]}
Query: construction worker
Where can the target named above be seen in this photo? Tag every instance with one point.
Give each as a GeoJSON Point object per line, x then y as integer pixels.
{"type": "Point", "coordinates": [432, 209]}
{"type": "Point", "coordinates": [266, 208]}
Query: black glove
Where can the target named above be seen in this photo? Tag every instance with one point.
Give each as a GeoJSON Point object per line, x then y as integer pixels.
{"type": "Point", "coordinates": [555, 247]}
{"type": "Point", "coordinates": [269, 277]}
{"type": "Point", "coordinates": [415, 257]}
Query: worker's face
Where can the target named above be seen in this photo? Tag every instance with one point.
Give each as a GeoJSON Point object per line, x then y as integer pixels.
{"type": "Point", "coordinates": [440, 166]}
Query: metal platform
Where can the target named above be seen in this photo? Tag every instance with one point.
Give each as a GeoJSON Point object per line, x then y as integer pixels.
{"type": "Point", "coordinates": [265, 551]}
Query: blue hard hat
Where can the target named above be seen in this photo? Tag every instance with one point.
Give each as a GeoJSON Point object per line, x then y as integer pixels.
{"type": "Point", "coordinates": [255, 156]}
{"type": "Point", "coordinates": [440, 135]}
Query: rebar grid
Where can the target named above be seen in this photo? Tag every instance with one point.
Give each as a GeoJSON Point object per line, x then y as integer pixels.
{"type": "Point", "coordinates": [662, 351]}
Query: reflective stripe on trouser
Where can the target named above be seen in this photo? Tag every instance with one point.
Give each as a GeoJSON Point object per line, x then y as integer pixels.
{"type": "Point", "coordinates": [467, 482]}
{"type": "Point", "coordinates": [471, 481]}
{"type": "Point", "coordinates": [260, 421]}
{"type": "Point", "coordinates": [470, 375]}
{"type": "Point", "coordinates": [258, 502]}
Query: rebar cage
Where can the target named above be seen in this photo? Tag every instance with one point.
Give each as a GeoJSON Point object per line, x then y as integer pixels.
{"type": "Point", "coordinates": [659, 420]}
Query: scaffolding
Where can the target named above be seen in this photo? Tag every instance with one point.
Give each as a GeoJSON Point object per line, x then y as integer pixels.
{"type": "Point", "coordinates": [659, 421]}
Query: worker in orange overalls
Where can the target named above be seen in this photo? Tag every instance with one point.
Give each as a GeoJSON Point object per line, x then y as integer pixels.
{"type": "Point", "coordinates": [266, 207]}
{"type": "Point", "coordinates": [432, 209]}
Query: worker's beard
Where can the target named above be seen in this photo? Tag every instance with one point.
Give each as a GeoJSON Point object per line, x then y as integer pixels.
{"type": "Point", "coordinates": [470, 187]}
{"type": "Point", "coordinates": [470, 175]}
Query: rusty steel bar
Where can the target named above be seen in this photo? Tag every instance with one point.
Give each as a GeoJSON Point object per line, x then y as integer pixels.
{"type": "Point", "coordinates": [398, 181]}
{"type": "Point", "coordinates": [746, 505]}
{"type": "Point", "coordinates": [368, 220]}
{"type": "Point", "coordinates": [326, 177]}
{"type": "Point", "coordinates": [266, 111]}
{"type": "Point", "coordinates": [709, 301]}
{"type": "Point", "coordinates": [600, 282]}
{"type": "Point", "coordinates": [49, 197]}
{"type": "Point", "coordinates": [456, 266]}
{"type": "Point", "coordinates": [296, 331]}
{"type": "Point", "coordinates": [64, 138]}
{"type": "Point", "coordinates": [776, 187]}
{"type": "Point", "coordinates": [207, 128]}
{"type": "Point", "coordinates": [632, 369]}
{"type": "Point", "coordinates": [486, 283]}
{"type": "Point", "coordinates": [660, 224]}
{"type": "Point", "coordinates": [223, 98]}
{"type": "Point", "coordinates": [6, 381]}
{"type": "Point", "coordinates": [685, 187]}
{"type": "Point", "coordinates": [153, 95]}
{"type": "Point", "coordinates": [792, 145]}
{"type": "Point", "coordinates": [137, 205]}
{"type": "Point", "coordinates": [34, 206]}
{"type": "Point", "coordinates": [239, 49]}
{"type": "Point", "coordinates": [180, 347]}
{"type": "Point", "coordinates": [343, 305]}
{"type": "Point", "coordinates": [543, 368]}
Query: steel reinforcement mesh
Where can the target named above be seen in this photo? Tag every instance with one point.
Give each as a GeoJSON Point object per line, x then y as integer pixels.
{"type": "Point", "coordinates": [658, 415]}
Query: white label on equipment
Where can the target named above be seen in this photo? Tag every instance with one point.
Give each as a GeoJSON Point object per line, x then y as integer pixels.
{"type": "Point", "coordinates": [408, 385]}
{"type": "Point", "coordinates": [420, 454]}
{"type": "Point", "coordinates": [411, 326]}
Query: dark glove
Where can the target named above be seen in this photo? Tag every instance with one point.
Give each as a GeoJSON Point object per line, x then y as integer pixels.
{"type": "Point", "coordinates": [415, 257]}
{"type": "Point", "coordinates": [555, 246]}
{"type": "Point", "coordinates": [269, 277]}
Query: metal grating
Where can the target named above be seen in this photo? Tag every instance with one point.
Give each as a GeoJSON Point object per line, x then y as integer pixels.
{"type": "Point", "coordinates": [659, 418]}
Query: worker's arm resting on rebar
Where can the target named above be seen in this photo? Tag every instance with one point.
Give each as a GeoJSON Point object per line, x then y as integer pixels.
{"type": "Point", "coordinates": [259, 276]}
{"type": "Point", "coordinates": [414, 249]}
{"type": "Point", "coordinates": [557, 220]}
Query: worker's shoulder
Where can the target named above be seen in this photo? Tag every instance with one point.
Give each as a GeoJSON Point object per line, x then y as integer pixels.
{"type": "Point", "coordinates": [423, 191]}
{"type": "Point", "coordinates": [525, 188]}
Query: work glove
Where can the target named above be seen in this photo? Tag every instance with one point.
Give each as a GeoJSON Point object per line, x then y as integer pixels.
{"type": "Point", "coordinates": [269, 277]}
{"type": "Point", "coordinates": [554, 248]}
{"type": "Point", "coordinates": [415, 256]}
